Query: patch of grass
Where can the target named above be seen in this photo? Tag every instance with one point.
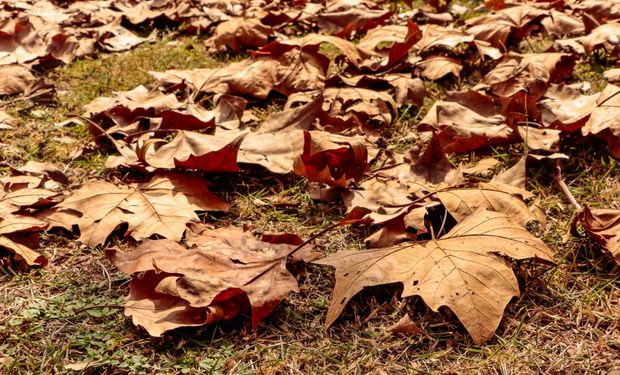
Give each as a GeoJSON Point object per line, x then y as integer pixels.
{"type": "Point", "coordinates": [591, 69]}
{"type": "Point", "coordinates": [36, 136]}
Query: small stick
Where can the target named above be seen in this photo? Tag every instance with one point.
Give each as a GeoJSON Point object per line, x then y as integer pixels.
{"type": "Point", "coordinates": [558, 178]}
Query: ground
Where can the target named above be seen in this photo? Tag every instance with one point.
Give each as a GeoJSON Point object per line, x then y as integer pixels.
{"type": "Point", "coordinates": [66, 315]}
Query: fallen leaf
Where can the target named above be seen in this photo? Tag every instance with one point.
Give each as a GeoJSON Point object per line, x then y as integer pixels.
{"type": "Point", "coordinates": [238, 33]}
{"type": "Point", "coordinates": [174, 287]}
{"type": "Point", "coordinates": [466, 270]}
{"type": "Point", "coordinates": [333, 163]}
{"type": "Point", "coordinates": [162, 206]}
{"type": "Point", "coordinates": [603, 226]}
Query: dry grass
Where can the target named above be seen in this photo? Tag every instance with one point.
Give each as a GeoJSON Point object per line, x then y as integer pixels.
{"type": "Point", "coordinates": [565, 322]}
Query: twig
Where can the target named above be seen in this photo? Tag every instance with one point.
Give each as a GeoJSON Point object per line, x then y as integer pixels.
{"type": "Point", "coordinates": [558, 178]}
{"type": "Point", "coordinates": [328, 229]}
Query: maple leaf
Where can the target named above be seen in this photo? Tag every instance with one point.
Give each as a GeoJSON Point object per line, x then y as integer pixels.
{"type": "Point", "coordinates": [162, 206]}
{"type": "Point", "coordinates": [466, 270]}
{"type": "Point", "coordinates": [192, 150]}
{"type": "Point", "coordinates": [227, 271]}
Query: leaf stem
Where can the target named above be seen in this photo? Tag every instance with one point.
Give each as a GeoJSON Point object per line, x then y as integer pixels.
{"type": "Point", "coordinates": [558, 178]}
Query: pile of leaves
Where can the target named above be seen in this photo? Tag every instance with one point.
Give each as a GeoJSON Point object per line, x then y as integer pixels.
{"type": "Point", "coordinates": [448, 233]}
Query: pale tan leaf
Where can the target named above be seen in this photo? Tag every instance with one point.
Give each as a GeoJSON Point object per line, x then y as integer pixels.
{"type": "Point", "coordinates": [466, 270]}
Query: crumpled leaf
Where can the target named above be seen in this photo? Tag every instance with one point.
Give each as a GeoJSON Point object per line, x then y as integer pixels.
{"type": "Point", "coordinates": [466, 121]}
{"type": "Point", "coordinates": [605, 36]}
{"type": "Point", "coordinates": [333, 163]}
{"type": "Point", "coordinates": [346, 18]}
{"type": "Point", "coordinates": [531, 72]}
{"type": "Point", "coordinates": [238, 33]}
{"type": "Point", "coordinates": [19, 198]}
{"type": "Point", "coordinates": [603, 121]}
{"type": "Point", "coordinates": [276, 67]}
{"type": "Point", "coordinates": [603, 226]}
{"type": "Point", "coordinates": [227, 272]}
{"type": "Point", "coordinates": [466, 270]}
{"type": "Point", "coordinates": [14, 79]}
{"type": "Point", "coordinates": [348, 107]}
{"type": "Point", "coordinates": [510, 24]}
{"type": "Point", "coordinates": [163, 206]}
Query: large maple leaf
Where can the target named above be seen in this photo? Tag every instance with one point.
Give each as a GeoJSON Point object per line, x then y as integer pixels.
{"type": "Point", "coordinates": [216, 280]}
{"type": "Point", "coordinates": [466, 270]}
{"type": "Point", "coordinates": [162, 206]}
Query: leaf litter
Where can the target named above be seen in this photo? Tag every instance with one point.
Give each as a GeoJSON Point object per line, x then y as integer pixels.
{"type": "Point", "coordinates": [449, 236]}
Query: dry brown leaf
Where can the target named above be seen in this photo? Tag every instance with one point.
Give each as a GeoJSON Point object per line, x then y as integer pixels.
{"type": "Point", "coordinates": [192, 150]}
{"type": "Point", "coordinates": [7, 121]}
{"type": "Point", "coordinates": [162, 206]}
{"type": "Point", "coordinates": [227, 271]}
{"type": "Point", "coordinates": [566, 108]}
{"type": "Point", "coordinates": [531, 72]}
{"type": "Point", "coordinates": [347, 18]}
{"type": "Point", "coordinates": [277, 68]}
{"type": "Point", "coordinates": [238, 33]}
{"type": "Point", "coordinates": [350, 108]}
{"type": "Point", "coordinates": [603, 226]}
{"type": "Point", "coordinates": [18, 237]}
{"type": "Point", "coordinates": [14, 79]}
{"type": "Point", "coordinates": [406, 90]}
{"type": "Point", "coordinates": [605, 36]}
{"type": "Point", "coordinates": [493, 196]}
{"type": "Point", "coordinates": [603, 121]}
{"type": "Point", "coordinates": [331, 162]}
{"type": "Point", "coordinates": [507, 25]}
{"type": "Point", "coordinates": [466, 270]}
{"type": "Point", "coordinates": [466, 121]}
{"type": "Point", "coordinates": [435, 67]}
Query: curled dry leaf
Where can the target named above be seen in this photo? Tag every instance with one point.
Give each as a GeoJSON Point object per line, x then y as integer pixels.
{"type": "Point", "coordinates": [347, 18]}
{"type": "Point", "coordinates": [7, 121]}
{"type": "Point", "coordinates": [334, 163]}
{"type": "Point", "coordinates": [467, 270]}
{"type": "Point", "coordinates": [348, 107]}
{"type": "Point", "coordinates": [603, 121]}
{"type": "Point", "coordinates": [531, 72]}
{"type": "Point", "coordinates": [227, 272]}
{"type": "Point", "coordinates": [605, 36]}
{"type": "Point", "coordinates": [603, 226]}
{"type": "Point", "coordinates": [238, 33]}
{"type": "Point", "coordinates": [277, 67]}
{"type": "Point", "coordinates": [162, 206]}
{"type": "Point", "coordinates": [506, 25]}
{"type": "Point", "coordinates": [15, 79]}
{"type": "Point", "coordinates": [18, 199]}
{"type": "Point", "coordinates": [466, 121]}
